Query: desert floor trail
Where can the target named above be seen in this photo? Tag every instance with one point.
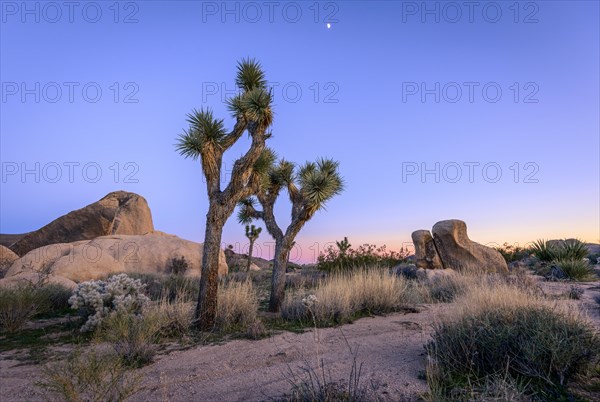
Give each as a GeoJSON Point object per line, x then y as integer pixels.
{"type": "Point", "coordinates": [390, 349]}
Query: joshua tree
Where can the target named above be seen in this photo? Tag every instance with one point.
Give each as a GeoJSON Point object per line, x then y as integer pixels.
{"type": "Point", "coordinates": [207, 139]}
{"type": "Point", "coordinates": [308, 189]}
{"type": "Point", "coordinates": [252, 234]}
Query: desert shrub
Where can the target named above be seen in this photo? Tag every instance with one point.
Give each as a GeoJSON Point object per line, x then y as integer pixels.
{"type": "Point", "coordinates": [179, 266]}
{"type": "Point", "coordinates": [340, 297]}
{"type": "Point", "coordinates": [132, 336]}
{"type": "Point", "coordinates": [343, 257]}
{"type": "Point", "coordinates": [237, 308]}
{"type": "Point", "coordinates": [543, 250]}
{"type": "Point", "coordinates": [95, 300]}
{"type": "Point", "coordinates": [171, 286]}
{"type": "Point", "coordinates": [89, 377]}
{"type": "Point", "coordinates": [176, 315]}
{"type": "Point", "coordinates": [572, 249]}
{"type": "Point", "coordinates": [17, 306]}
{"type": "Point", "coordinates": [574, 270]}
{"type": "Point", "coordinates": [446, 288]}
{"type": "Point", "coordinates": [504, 332]}
{"type": "Point", "coordinates": [513, 253]}
{"type": "Point", "coordinates": [21, 303]}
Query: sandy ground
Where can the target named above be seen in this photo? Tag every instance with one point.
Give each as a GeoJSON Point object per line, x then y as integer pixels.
{"type": "Point", "coordinates": [390, 349]}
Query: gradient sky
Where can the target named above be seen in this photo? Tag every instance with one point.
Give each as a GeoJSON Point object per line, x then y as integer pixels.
{"type": "Point", "coordinates": [352, 92]}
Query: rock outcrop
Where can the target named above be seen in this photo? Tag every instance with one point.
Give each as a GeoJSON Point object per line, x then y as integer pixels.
{"type": "Point", "coordinates": [84, 260]}
{"type": "Point", "coordinates": [426, 255]}
{"type": "Point", "coordinates": [118, 213]}
{"type": "Point", "coordinates": [7, 258]}
{"type": "Point", "coordinates": [458, 252]}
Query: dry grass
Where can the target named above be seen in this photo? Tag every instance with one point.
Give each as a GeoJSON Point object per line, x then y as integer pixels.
{"type": "Point", "coordinates": [339, 298]}
{"type": "Point", "coordinates": [238, 307]}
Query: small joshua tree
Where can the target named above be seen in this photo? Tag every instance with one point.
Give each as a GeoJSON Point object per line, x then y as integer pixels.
{"type": "Point", "coordinates": [309, 188]}
{"type": "Point", "coordinates": [252, 234]}
{"type": "Point", "coordinates": [207, 139]}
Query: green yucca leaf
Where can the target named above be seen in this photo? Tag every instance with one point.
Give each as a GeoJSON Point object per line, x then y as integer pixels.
{"type": "Point", "coordinates": [250, 75]}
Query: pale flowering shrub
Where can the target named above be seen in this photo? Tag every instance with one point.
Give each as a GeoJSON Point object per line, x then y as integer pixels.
{"type": "Point", "coordinates": [96, 300]}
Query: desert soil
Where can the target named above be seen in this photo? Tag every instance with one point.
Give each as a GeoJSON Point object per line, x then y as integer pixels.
{"type": "Point", "coordinates": [390, 349]}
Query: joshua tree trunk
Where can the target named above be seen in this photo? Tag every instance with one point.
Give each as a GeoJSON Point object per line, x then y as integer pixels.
{"type": "Point", "coordinates": [280, 262]}
{"type": "Point", "coordinates": [249, 255]}
{"type": "Point", "coordinates": [209, 280]}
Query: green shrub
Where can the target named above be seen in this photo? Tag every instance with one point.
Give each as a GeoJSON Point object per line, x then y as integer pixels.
{"type": "Point", "coordinates": [575, 270]}
{"type": "Point", "coordinates": [508, 334]}
{"type": "Point", "coordinates": [179, 266]}
{"type": "Point", "coordinates": [89, 377]}
{"type": "Point", "coordinates": [544, 251]}
{"type": "Point", "coordinates": [170, 286]}
{"type": "Point", "coordinates": [21, 303]}
{"type": "Point", "coordinates": [444, 289]}
{"type": "Point", "coordinates": [513, 253]}
{"type": "Point", "coordinates": [17, 306]}
{"type": "Point", "coordinates": [132, 336]}
{"type": "Point", "coordinates": [572, 249]}
{"type": "Point", "coordinates": [343, 257]}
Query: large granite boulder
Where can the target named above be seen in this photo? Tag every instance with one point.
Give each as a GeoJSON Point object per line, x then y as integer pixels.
{"type": "Point", "coordinates": [458, 252]}
{"type": "Point", "coordinates": [152, 253]}
{"type": "Point", "coordinates": [7, 258]}
{"type": "Point", "coordinates": [426, 255]}
{"type": "Point", "coordinates": [118, 213]}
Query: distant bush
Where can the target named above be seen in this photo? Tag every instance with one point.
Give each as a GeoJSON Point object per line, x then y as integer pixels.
{"type": "Point", "coordinates": [95, 300]}
{"type": "Point", "coordinates": [444, 289]}
{"type": "Point", "coordinates": [513, 253]}
{"type": "Point", "coordinates": [90, 377]}
{"type": "Point", "coordinates": [503, 332]}
{"type": "Point", "coordinates": [343, 257]}
{"type": "Point", "coordinates": [179, 266]}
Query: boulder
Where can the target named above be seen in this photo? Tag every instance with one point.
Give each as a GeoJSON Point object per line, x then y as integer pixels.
{"type": "Point", "coordinates": [118, 213]}
{"type": "Point", "coordinates": [254, 267]}
{"type": "Point", "coordinates": [84, 260]}
{"type": "Point", "coordinates": [458, 252]}
{"type": "Point", "coordinates": [7, 258]}
{"type": "Point", "coordinates": [426, 255]}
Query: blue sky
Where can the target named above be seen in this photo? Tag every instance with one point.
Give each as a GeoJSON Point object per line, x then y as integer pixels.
{"type": "Point", "coordinates": [497, 105]}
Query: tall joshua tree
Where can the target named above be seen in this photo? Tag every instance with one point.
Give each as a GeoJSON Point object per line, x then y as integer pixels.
{"type": "Point", "coordinates": [309, 188]}
{"type": "Point", "coordinates": [252, 233]}
{"type": "Point", "coordinates": [207, 139]}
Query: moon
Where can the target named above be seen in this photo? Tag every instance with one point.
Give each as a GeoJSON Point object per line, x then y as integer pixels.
{"type": "Point", "coordinates": [328, 25]}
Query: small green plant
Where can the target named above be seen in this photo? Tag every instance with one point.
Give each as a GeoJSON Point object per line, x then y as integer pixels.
{"type": "Point", "coordinates": [90, 377]}
{"type": "Point", "coordinates": [575, 270]}
{"type": "Point", "coordinates": [575, 293]}
{"type": "Point", "coordinates": [543, 250]}
{"type": "Point", "coordinates": [179, 266]}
